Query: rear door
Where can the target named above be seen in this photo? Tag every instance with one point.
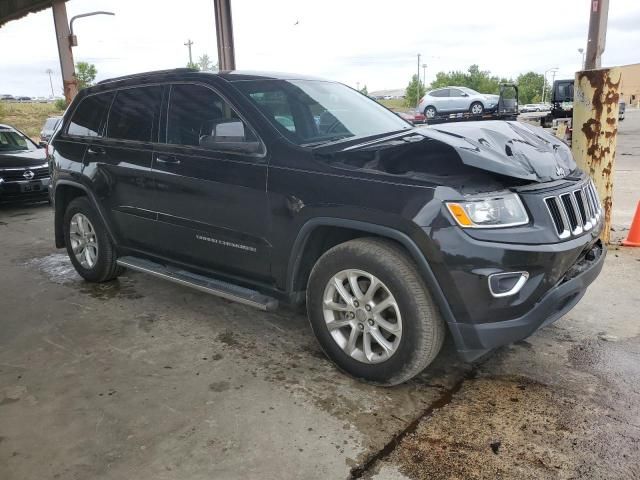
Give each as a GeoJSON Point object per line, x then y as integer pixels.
{"type": "Point", "coordinates": [211, 198]}
{"type": "Point", "coordinates": [120, 164]}
{"type": "Point", "coordinates": [441, 100]}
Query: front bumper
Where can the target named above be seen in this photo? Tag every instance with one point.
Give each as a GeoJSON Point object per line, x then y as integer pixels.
{"type": "Point", "coordinates": [24, 190]}
{"type": "Point", "coordinates": [474, 340]}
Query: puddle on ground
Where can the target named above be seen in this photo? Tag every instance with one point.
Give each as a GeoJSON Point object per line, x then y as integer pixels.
{"type": "Point", "coordinates": [58, 268]}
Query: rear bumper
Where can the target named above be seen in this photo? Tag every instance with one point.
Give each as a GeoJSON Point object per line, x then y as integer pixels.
{"type": "Point", "coordinates": [475, 340]}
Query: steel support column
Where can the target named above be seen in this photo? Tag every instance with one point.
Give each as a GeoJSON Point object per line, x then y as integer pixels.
{"type": "Point", "coordinates": [597, 38]}
{"type": "Point", "coordinates": [595, 129]}
{"type": "Point", "coordinates": [224, 35]}
{"type": "Point", "coordinates": [67, 68]}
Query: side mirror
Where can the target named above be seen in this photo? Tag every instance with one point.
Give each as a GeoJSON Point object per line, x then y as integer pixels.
{"type": "Point", "coordinates": [229, 136]}
{"type": "Point", "coordinates": [465, 94]}
{"type": "Point", "coordinates": [42, 144]}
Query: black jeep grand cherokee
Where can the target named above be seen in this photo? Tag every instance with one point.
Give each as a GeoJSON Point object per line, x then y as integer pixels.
{"type": "Point", "coordinates": [263, 188]}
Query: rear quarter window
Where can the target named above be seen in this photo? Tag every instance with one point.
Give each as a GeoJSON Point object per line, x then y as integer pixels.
{"type": "Point", "coordinates": [90, 115]}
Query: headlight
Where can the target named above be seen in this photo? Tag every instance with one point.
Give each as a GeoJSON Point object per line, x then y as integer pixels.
{"type": "Point", "coordinates": [503, 210]}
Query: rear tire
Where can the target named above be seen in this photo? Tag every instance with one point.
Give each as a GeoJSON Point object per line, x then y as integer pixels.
{"type": "Point", "coordinates": [419, 330]}
{"type": "Point", "coordinates": [430, 112]}
{"type": "Point", "coordinates": [89, 246]}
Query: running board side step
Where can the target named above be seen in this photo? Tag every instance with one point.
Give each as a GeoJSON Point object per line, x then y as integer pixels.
{"type": "Point", "coordinates": [202, 283]}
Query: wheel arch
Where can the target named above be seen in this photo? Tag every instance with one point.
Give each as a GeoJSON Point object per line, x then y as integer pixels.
{"type": "Point", "coordinates": [65, 191]}
{"type": "Point", "coordinates": [297, 275]}
{"type": "Point", "coordinates": [424, 110]}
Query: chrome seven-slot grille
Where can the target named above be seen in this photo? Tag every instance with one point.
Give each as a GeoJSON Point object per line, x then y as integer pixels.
{"type": "Point", "coordinates": [18, 174]}
{"type": "Point", "coordinates": [575, 211]}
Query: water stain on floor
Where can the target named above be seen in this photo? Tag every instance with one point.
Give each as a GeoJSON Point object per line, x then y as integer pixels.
{"type": "Point", "coordinates": [514, 427]}
{"type": "Point", "coordinates": [58, 269]}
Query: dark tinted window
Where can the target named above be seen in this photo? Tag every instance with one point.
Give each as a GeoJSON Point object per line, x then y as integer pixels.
{"type": "Point", "coordinates": [564, 92]}
{"type": "Point", "coordinates": [454, 92]}
{"type": "Point", "coordinates": [89, 117]}
{"type": "Point", "coordinates": [196, 113]}
{"type": "Point", "coordinates": [444, 92]}
{"type": "Point", "coordinates": [134, 114]}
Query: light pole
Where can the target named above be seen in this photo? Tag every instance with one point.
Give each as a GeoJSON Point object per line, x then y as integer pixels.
{"type": "Point", "coordinates": [66, 41]}
{"type": "Point", "coordinates": [73, 40]}
{"type": "Point", "coordinates": [581, 51]}
{"type": "Point", "coordinates": [424, 75]}
{"type": "Point", "coordinates": [418, 84]}
{"type": "Point", "coordinates": [188, 44]}
{"type": "Point", "coordinates": [49, 72]}
{"type": "Point", "coordinates": [544, 82]}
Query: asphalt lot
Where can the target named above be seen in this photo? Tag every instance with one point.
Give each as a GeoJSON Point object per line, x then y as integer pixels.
{"type": "Point", "coordinates": [140, 378]}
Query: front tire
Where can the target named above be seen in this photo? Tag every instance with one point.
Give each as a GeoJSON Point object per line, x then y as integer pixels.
{"type": "Point", "coordinates": [476, 108]}
{"type": "Point", "coordinates": [89, 246]}
{"type": "Point", "coordinates": [372, 313]}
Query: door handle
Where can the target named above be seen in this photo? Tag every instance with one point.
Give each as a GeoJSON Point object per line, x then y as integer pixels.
{"type": "Point", "coordinates": [171, 160]}
{"type": "Point", "coordinates": [94, 150]}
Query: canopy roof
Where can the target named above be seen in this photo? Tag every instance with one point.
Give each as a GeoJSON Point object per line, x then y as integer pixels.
{"type": "Point", "coordinates": [15, 9]}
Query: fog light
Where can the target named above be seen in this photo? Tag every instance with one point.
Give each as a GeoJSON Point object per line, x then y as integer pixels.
{"type": "Point", "coordinates": [506, 284]}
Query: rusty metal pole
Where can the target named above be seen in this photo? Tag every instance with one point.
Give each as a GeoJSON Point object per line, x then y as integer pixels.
{"type": "Point", "coordinates": [224, 35]}
{"type": "Point", "coordinates": [595, 128]}
{"type": "Point", "coordinates": [67, 68]}
{"type": "Point", "coordinates": [597, 33]}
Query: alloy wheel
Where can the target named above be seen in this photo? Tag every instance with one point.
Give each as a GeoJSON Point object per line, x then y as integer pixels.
{"type": "Point", "coordinates": [84, 241]}
{"type": "Point", "coordinates": [362, 316]}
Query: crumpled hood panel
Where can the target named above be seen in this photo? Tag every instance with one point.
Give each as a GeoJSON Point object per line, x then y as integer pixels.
{"type": "Point", "coordinates": [508, 148]}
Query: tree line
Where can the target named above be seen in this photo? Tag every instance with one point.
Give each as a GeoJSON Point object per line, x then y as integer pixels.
{"type": "Point", "coordinates": [529, 84]}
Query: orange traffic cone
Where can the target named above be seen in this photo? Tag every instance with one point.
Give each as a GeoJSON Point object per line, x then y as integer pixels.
{"type": "Point", "coordinates": [633, 239]}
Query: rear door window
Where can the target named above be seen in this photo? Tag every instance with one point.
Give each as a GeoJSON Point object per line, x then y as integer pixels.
{"type": "Point", "coordinates": [135, 114]}
{"type": "Point", "coordinates": [89, 117]}
{"type": "Point", "coordinates": [443, 92]}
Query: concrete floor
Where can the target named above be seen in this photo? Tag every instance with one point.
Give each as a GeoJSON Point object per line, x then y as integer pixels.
{"type": "Point", "coordinates": [144, 379]}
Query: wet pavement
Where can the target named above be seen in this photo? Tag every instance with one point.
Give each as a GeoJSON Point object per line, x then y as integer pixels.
{"type": "Point", "coordinates": [139, 378]}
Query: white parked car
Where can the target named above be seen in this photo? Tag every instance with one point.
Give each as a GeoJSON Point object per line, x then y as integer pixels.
{"type": "Point", "coordinates": [456, 99]}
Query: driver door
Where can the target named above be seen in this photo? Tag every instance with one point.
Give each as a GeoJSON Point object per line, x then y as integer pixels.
{"type": "Point", "coordinates": [211, 193]}
{"type": "Point", "coordinates": [458, 100]}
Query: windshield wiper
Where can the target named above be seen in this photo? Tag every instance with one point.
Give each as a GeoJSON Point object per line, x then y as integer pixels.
{"type": "Point", "coordinates": [326, 141]}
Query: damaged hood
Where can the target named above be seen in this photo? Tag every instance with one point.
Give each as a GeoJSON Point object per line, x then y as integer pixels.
{"type": "Point", "coordinates": [511, 149]}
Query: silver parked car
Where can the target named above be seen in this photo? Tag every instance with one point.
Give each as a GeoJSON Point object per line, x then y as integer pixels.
{"type": "Point", "coordinates": [456, 99]}
{"type": "Point", "coordinates": [48, 128]}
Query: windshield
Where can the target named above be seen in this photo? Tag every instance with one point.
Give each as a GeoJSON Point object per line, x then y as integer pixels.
{"type": "Point", "coordinates": [313, 112]}
{"type": "Point", "coordinates": [11, 141]}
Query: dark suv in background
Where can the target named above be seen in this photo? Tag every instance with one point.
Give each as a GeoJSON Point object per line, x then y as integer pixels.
{"type": "Point", "coordinates": [266, 188]}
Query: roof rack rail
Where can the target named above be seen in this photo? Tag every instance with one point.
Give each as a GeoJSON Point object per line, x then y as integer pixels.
{"type": "Point", "coordinates": [144, 74]}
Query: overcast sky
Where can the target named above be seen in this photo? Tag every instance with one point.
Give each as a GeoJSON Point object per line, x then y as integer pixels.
{"type": "Point", "coordinates": [371, 42]}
